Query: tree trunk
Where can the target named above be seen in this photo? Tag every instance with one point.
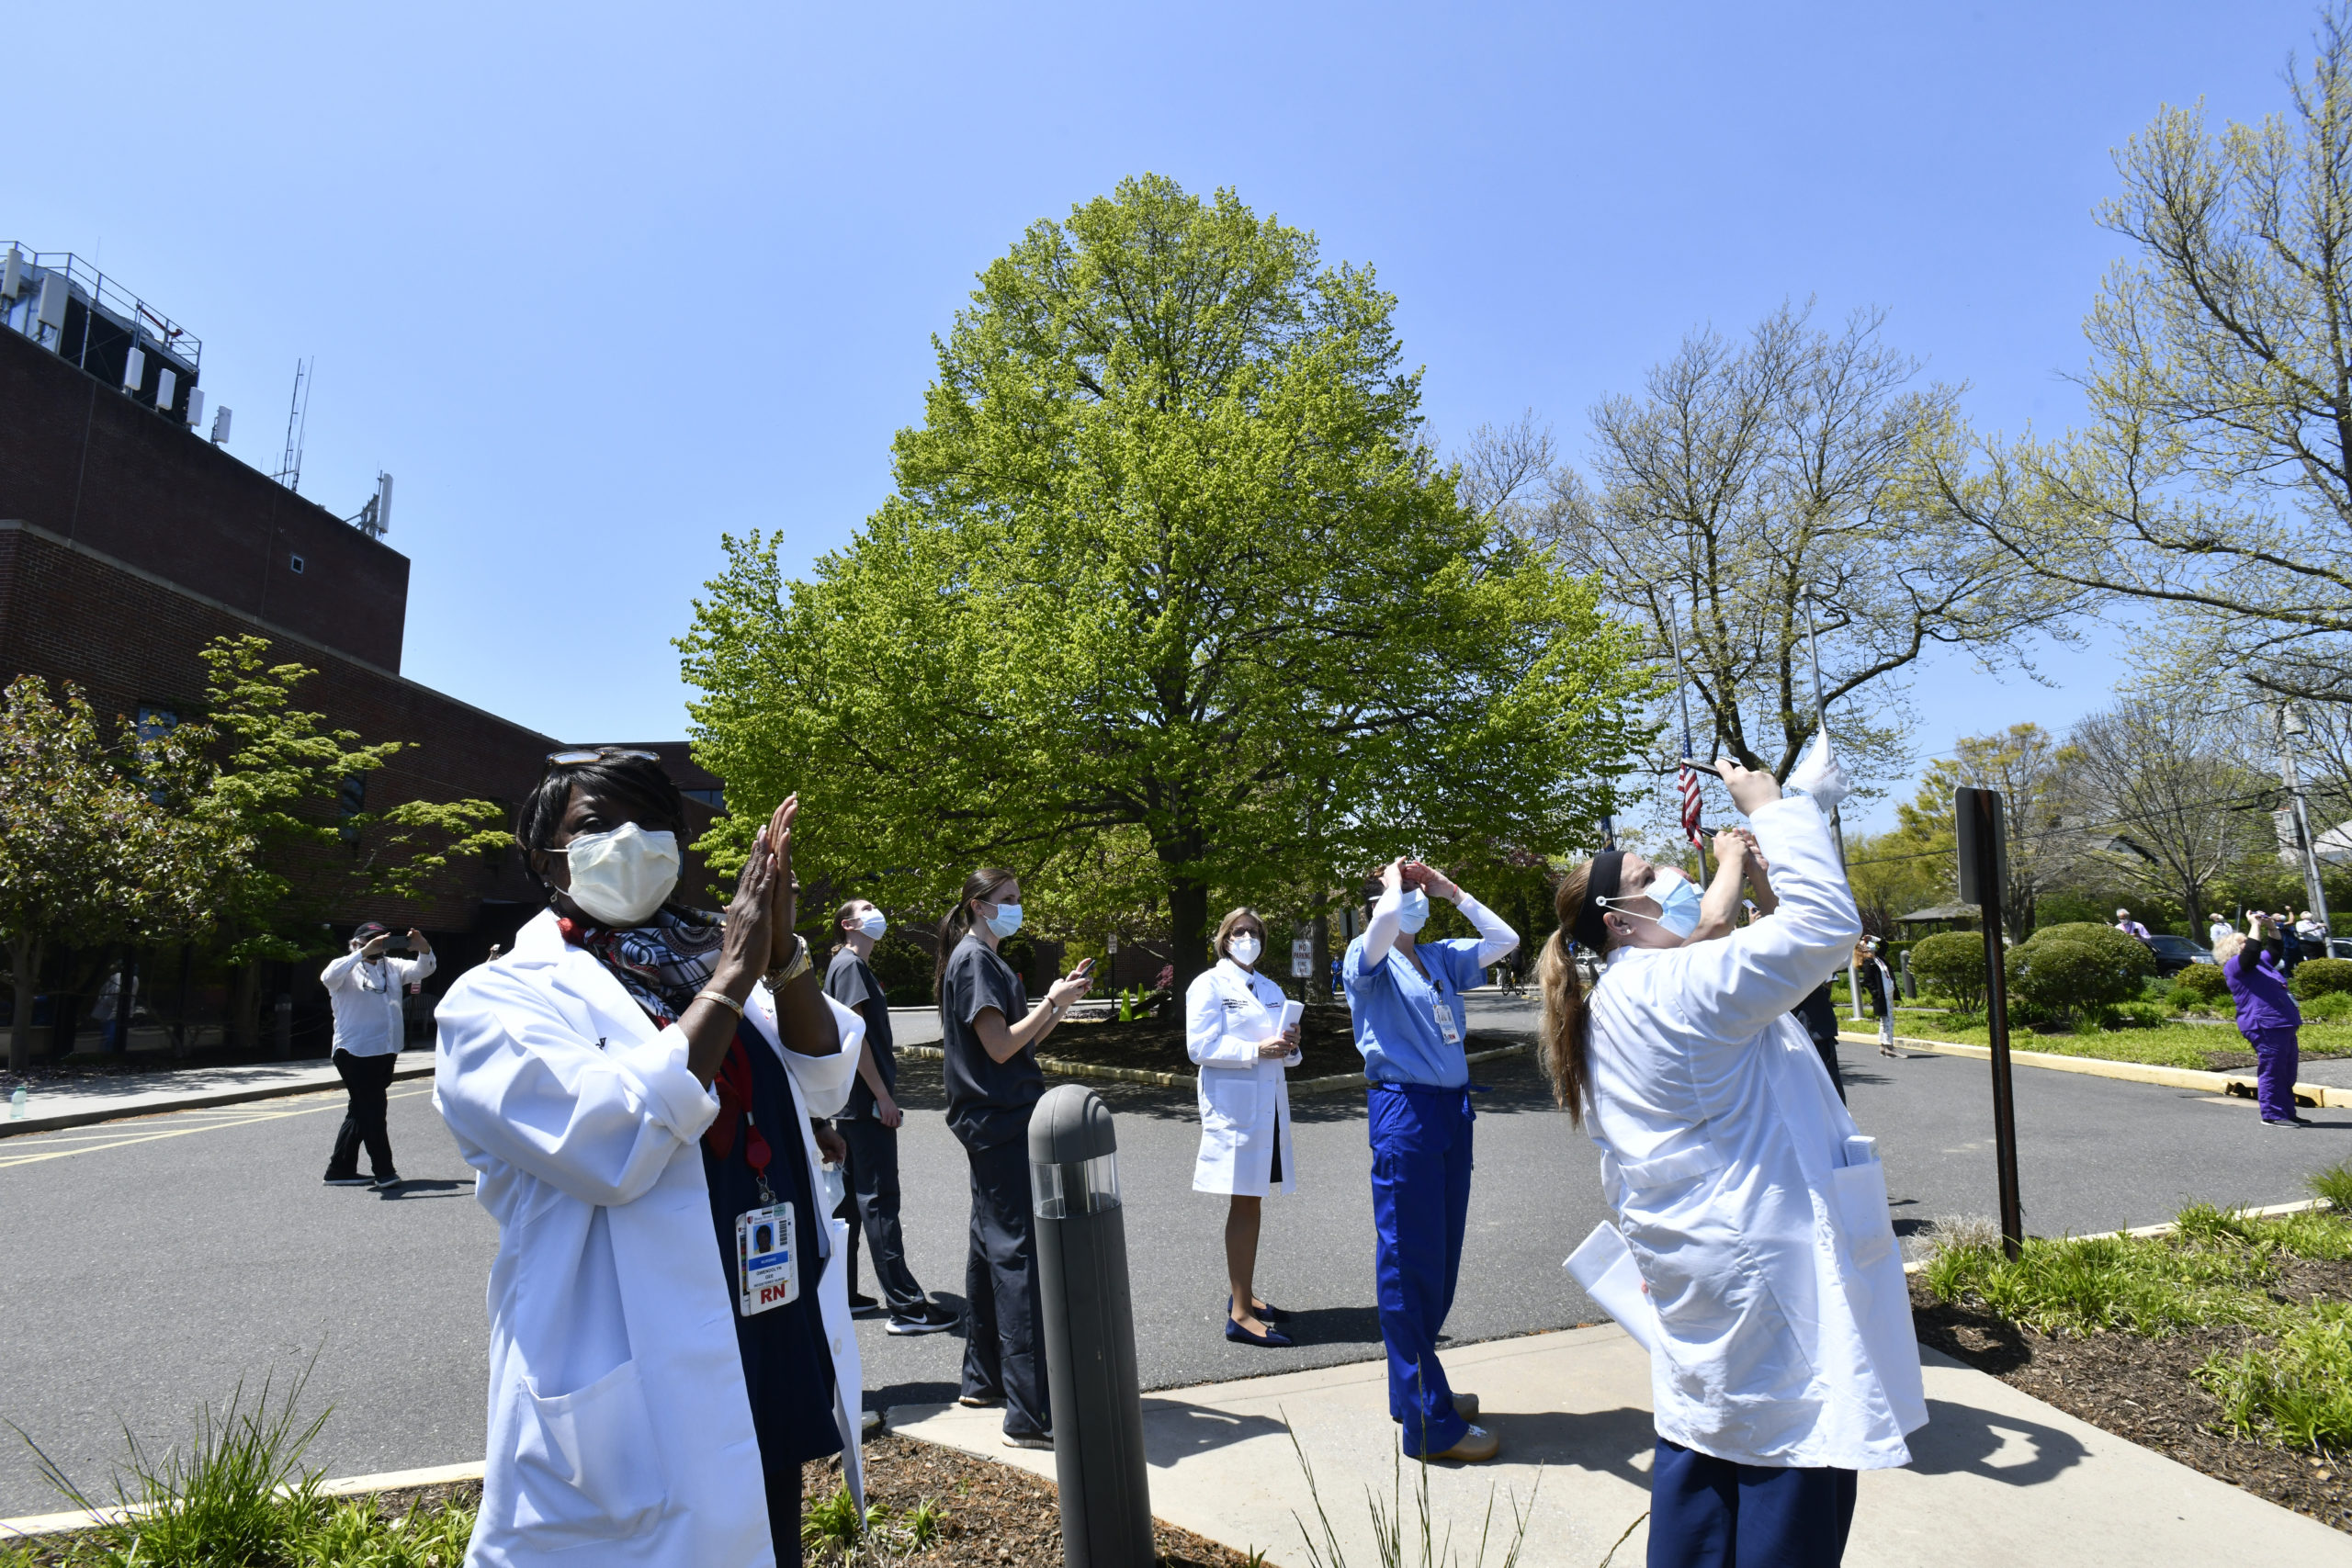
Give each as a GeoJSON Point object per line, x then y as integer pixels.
{"type": "Point", "coordinates": [1188, 926]}
{"type": "Point", "coordinates": [24, 958]}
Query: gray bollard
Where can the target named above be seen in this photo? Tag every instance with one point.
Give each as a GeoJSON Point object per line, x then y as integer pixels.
{"type": "Point", "coordinates": [1090, 1332]}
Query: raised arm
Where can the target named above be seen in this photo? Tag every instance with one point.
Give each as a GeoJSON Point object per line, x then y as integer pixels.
{"type": "Point", "coordinates": [1733, 986]}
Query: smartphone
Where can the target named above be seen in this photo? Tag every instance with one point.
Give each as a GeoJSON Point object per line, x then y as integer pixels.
{"type": "Point", "coordinates": [1085, 967]}
{"type": "Point", "coordinates": [1698, 767]}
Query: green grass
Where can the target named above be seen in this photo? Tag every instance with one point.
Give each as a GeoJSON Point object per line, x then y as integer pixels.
{"type": "Point", "coordinates": [834, 1524]}
{"type": "Point", "coordinates": [240, 1496]}
{"type": "Point", "coordinates": [2160, 1044]}
{"type": "Point", "coordinates": [2216, 1269]}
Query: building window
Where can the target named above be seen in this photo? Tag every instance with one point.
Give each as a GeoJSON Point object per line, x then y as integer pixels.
{"type": "Point", "coordinates": [714, 798]}
{"type": "Point", "coordinates": [353, 800]}
{"type": "Point", "coordinates": [295, 564]}
{"type": "Point", "coordinates": [154, 722]}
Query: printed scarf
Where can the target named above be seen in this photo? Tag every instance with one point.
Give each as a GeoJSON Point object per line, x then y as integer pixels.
{"type": "Point", "coordinates": [661, 963]}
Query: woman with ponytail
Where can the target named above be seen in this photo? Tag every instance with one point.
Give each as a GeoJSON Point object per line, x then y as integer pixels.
{"type": "Point", "coordinates": [989, 1038]}
{"type": "Point", "coordinates": [1753, 1209]}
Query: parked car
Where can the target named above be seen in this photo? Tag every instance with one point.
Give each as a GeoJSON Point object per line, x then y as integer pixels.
{"type": "Point", "coordinates": [2175, 953]}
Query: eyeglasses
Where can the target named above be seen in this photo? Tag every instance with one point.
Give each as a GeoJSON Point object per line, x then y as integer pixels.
{"type": "Point", "coordinates": [581, 755]}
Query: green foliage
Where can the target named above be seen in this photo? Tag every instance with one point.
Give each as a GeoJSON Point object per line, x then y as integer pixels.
{"type": "Point", "coordinates": [2077, 968]}
{"type": "Point", "coordinates": [833, 1525]}
{"type": "Point", "coordinates": [2334, 1184]}
{"type": "Point", "coordinates": [1952, 964]}
{"type": "Point", "coordinates": [2298, 1389]}
{"type": "Point", "coordinates": [2334, 1008]}
{"type": "Point", "coordinates": [2199, 985]}
{"type": "Point", "coordinates": [1172, 607]}
{"type": "Point", "coordinates": [2321, 977]}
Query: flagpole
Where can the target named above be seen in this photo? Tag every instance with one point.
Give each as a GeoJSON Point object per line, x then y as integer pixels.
{"type": "Point", "coordinates": [1836, 830]}
{"type": "Point", "coordinates": [1682, 695]}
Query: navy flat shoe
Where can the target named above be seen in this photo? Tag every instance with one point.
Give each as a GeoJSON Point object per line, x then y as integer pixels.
{"type": "Point", "coordinates": [1272, 1339]}
{"type": "Point", "coordinates": [1269, 1313]}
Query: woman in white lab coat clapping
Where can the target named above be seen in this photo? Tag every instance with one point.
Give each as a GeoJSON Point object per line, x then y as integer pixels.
{"type": "Point", "coordinates": [1755, 1213]}
{"type": "Point", "coordinates": [1233, 1029]}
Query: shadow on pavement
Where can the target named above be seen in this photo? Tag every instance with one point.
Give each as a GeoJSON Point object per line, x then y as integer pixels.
{"type": "Point", "coordinates": [408, 1189]}
{"type": "Point", "coordinates": [891, 1395]}
{"type": "Point", "coordinates": [2005, 1448]}
{"type": "Point", "coordinates": [1175, 1431]}
{"type": "Point", "coordinates": [1606, 1440]}
{"type": "Point", "coordinates": [1334, 1326]}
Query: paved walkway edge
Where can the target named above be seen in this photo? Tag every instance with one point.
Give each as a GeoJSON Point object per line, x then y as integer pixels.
{"type": "Point", "coordinates": [1336, 1084]}
{"type": "Point", "coordinates": [8, 1129]}
{"type": "Point", "coordinates": [350, 1486]}
{"type": "Point", "coordinates": [2240, 1084]}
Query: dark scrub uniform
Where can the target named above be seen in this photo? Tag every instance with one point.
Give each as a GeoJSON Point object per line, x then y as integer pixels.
{"type": "Point", "coordinates": [1419, 1118]}
{"type": "Point", "coordinates": [988, 1109]}
{"type": "Point", "coordinates": [873, 1199]}
{"type": "Point", "coordinates": [788, 1370]}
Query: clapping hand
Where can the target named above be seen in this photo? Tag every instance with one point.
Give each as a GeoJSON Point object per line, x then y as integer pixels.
{"type": "Point", "coordinates": [784, 897]}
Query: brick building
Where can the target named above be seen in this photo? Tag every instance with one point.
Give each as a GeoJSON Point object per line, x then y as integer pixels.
{"type": "Point", "coordinates": [128, 541]}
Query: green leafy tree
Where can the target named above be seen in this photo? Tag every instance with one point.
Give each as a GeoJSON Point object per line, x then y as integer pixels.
{"type": "Point", "coordinates": [1173, 606]}
{"type": "Point", "coordinates": [89, 854]}
{"type": "Point", "coordinates": [278, 782]}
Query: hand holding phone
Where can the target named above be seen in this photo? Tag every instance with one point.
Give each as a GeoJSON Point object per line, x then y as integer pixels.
{"type": "Point", "coordinates": [1698, 767]}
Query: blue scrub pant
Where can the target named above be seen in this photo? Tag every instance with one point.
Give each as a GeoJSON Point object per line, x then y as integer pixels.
{"type": "Point", "coordinates": [1420, 1202]}
{"type": "Point", "coordinates": [1710, 1513]}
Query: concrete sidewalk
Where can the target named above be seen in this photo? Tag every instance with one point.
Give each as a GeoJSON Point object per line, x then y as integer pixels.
{"type": "Point", "coordinates": [1998, 1478]}
{"type": "Point", "coordinates": [87, 1100]}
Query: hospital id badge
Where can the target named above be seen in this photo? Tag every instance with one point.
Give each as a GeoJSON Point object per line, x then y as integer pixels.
{"type": "Point", "coordinates": [767, 1264]}
{"type": "Point", "coordinates": [1445, 1021]}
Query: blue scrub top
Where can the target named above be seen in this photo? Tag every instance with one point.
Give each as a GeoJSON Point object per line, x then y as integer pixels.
{"type": "Point", "coordinates": [1394, 1011]}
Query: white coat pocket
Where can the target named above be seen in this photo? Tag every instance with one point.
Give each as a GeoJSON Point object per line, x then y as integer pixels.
{"type": "Point", "coordinates": [586, 1465]}
{"type": "Point", "coordinates": [1861, 1191]}
{"type": "Point", "coordinates": [1232, 1099]}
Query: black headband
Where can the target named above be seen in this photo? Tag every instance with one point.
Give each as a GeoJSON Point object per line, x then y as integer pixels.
{"type": "Point", "coordinates": [1600, 882]}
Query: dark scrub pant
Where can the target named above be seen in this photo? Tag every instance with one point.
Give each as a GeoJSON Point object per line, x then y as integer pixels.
{"type": "Point", "coordinates": [1710, 1513]}
{"type": "Point", "coordinates": [2277, 1055]}
{"type": "Point", "coordinates": [873, 1208]}
{"type": "Point", "coordinates": [366, 1079]}
{"type": "Point", "coordinates": [1002, 1357]}
{"type": "Point", "coordinates": [1420, 1203]}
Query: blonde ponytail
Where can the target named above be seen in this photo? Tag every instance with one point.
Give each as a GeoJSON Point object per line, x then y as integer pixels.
{"type": "Point", "coordinates": [1564, 1032]}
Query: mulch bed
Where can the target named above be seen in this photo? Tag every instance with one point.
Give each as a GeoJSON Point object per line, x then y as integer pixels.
{"type": "Point", "coordinates": [993, 1515]}
{"type": "Point", "coordinates": [2144, 1390]}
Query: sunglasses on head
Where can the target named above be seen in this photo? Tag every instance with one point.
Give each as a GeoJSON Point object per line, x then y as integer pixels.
{"type": "Point", "coordinates": [580, 756]}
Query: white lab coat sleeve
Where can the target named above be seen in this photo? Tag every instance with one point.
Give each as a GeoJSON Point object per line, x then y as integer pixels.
{"type": "Point", "coordinates": [1207, 1039]}
{"type": "Point", "coordinates": [336, 975]}
{"type": "Point", "coordinates": [418, 968]}
{"type": "Point", "coordinates": [1732, 987]}
{"type": "Point", "coordinates": [1380, 933]}
{"type": "Point", "coordinates": [824, 1082]}
{"type": "Point", "coordinates": [515, 1080]}
{"type": "Point", "coordinates": [1495, 938]}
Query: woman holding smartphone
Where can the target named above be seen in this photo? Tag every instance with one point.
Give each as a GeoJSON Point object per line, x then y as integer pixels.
{"type": "Point", "coordinates": [1238, 1028]}
{"type": "Point", "coordinates": [989, 1037]}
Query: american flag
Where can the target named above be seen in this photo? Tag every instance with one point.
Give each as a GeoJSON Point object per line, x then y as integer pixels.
{"type": "Point", "coordinates": [1688, 782]}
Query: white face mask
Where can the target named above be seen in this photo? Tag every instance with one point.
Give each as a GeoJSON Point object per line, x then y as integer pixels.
{"type": "Point", "coordinates": [1005, 921]}
{"type": "Point", "coordinates": [1244, 948]}
{"type": "Point", "coordinates": [622, 876]}
{"type": "Point", "coordinates": [1414, 913]}
{"type": "Point", "coordinates": [873, 925]}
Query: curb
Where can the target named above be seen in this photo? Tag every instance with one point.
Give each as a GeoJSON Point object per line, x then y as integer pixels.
{"type": "Point", "coordinates": [2239, 1084]}
{"type": "Point", "coordinates": [9, 1129]}
{"type": "Point", "coordinates": [351, 1486]}
{"type": "Point", "coordinates": [1336, 1083]}
{"type": "Point", "coordinates": [2267, 1211]}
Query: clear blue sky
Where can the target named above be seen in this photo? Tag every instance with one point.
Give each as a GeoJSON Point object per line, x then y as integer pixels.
{"type": "Point", "coordinates": [599, 283]}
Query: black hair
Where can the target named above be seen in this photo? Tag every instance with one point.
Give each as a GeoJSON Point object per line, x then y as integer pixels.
{"type": "Point", "coordinates": [640, 791]}
{"type": "Point", "coordinates": [952, 929]}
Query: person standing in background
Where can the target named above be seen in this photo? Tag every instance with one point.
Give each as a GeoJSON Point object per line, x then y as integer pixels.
{"type": "Point", "coordinates": [868, 1125]}
{"type": "Point", "coordinates": [2217, 931]}
{"type": "Point", "coordinates": [988, 1035]}
{"type": "Point", "coordinates": [2130, 927]}
{"type": "Point", "coordinates": [1878, 984]}
{"type": "Point", "coordinates": [369, 991]}
{"type": "Point", "coordinates": [2267, 1016]}
{"type": "Point", "coordinates": [1405, 1002]}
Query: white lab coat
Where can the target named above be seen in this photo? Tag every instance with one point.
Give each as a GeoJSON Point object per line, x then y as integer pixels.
{"type": "Point", "coordinates": [1784, 1321]}
{"type": "Point", "coordinates": [1245, 1097]}
{"type": "Point", "coordinates": [620, 1432]}
{"type": "Point", "coordinates": [370, 1018]}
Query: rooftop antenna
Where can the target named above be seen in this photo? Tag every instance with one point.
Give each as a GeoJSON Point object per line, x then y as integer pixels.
{"type": "Point", "coordinates": [297, 426]}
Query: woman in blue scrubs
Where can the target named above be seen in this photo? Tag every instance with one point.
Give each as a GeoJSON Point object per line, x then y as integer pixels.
{"type": "Point", "coordinates": [1405, 999]}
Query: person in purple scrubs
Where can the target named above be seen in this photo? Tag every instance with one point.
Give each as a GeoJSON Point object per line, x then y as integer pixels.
{"type": "Point", "coordinates": [2267, 1017]}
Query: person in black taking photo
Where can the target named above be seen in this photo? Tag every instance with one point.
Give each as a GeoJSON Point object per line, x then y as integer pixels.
{"type": "Point", "coordinates": [868, 1124]}
{"type": "Point", "coordinates": [991, 1036]}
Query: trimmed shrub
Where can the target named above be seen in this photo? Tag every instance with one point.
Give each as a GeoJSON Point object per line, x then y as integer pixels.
{"type": "Point", "coordinates": [2200, 986]}
{"type": "Point", "coordinates": [2316, 978]}
{"type": "Point", "coordinates": [1953, 964]}
{"type": "Point", "coordinates": [2078, 968]}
